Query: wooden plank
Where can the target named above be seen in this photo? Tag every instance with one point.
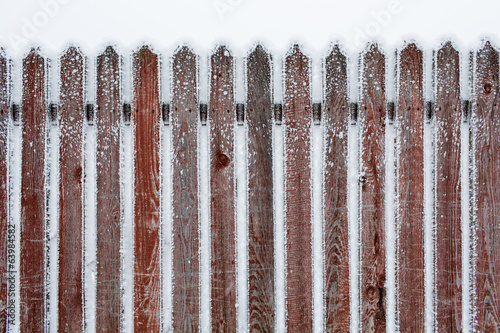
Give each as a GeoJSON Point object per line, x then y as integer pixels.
{"type": "Point", "coordinates": [185, 225]}
{"type": "Point", "coordinates": [146, 117]}
{"type": "Point", "coordinates": [372, 117]}
{"type": "Point", "coordinates": [32, 242]}
{"type": "Point", "coordinates": [410, 188]}
{"type": "Point", "coordinates": [5, 231]}
{"type": "Point", "coordinates": [222, 188]}
{"type": "Point", "coordinates": [336, 226]}
{"type": "Point", "coordinates": [486, 136]}
{"type": "Point", "coordinates": [448, 192]}
{"type": "Point", "coordinates": [297, 120]}
{"type": "Point", "coordinates": [260, 193]}
{"type": "Point", "coordinates": [108, 211]}
{"type": "Point", "coordinates": [72, 116]}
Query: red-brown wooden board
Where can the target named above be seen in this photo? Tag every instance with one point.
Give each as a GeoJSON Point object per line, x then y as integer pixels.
{"type": "Point", "coordinates": [297, 119]}
{"type": "Point", "coordinates": [34, 118]}
{"type": "Point", "coordinates": [5, 268]}
{"type": "Point", "coordinates": [108, 211]}
{"type": "Point", "coordinates": [486, 136]}
{"type": "Point", "coordinates": [185, 227]}
{"type": "Point", "coordinates": [222, 188]}
{"type": "Point", "coordinates": [372, 117]}
{"type": "Point", "coordinates": [146, 117]}
{"type": "Point", "coordinates": [410, 188]}
{"type": "Point", "coordinates": [71, 115]}
{"type": "Point", "coordinates": [260, 193]}
{"type": "Point", "coordinates": [448, 192]}
{"type": "Point", "coordinates": [336, 227]}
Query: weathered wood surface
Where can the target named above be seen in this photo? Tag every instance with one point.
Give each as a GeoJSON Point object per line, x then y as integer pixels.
{"type": "Point", "coordinates": [372, 118]}
{"type": "Point", "coordinates": [222, 197]}
{"type": "Point", "coordinates": [108, 211]}
{"type": "Point", "coordinates": [72, 116]}
{"type": "Point", "coordinates": [297, 120]}
{"type": "Point", "coordinates": [185, 225]}
{"type": "Point", "coordinates": [448, 191]}
{"type": "Point", "coordinates": [336, 226]}
{"type": "Point", "coordinates": [146, 116]}
{"type": "Point", "coordinates": [34, 118]}
{"type": "Point", "coordinates": [5, 233]}
{"type": "Point", "coordinates": [260, 193]}
{"type": "Point", "coordinates": [486, 136]}
{"type": "Point", "coordinates": [410, 188]}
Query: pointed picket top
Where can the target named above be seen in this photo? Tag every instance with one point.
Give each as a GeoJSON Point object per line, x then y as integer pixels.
{"type": "Point", "coordinates": [487, 62]}
{"type": "Point", "coordinates": [108, 53]}
{"type": "Point", "coordinates": [487, 49]}
{"type": "Point", "coordinates": [335, 54]}
{"type": "Point", "coordinates": [373, 50]}
{"type": "Point", "coordinates": [297, 57]}
{"type": "Point", "coordinates": [184, 52]}
{"type": "Point", "coordinates": [259, 53]}
{"type": "Point", "coordinates": [447, 48]}
{"type": "Point", "coordinates": [144, 54]}
{"type": "Point", "coordinates": [221, 54]}
{"type": "Point", "coordinates": [411, 51]}
{"type": "Point", "coordinates": [72, 52]}
{"type": "Point", "coordinates": [4, 84]}
{"type": "Point", "coordinates": [34, 57]}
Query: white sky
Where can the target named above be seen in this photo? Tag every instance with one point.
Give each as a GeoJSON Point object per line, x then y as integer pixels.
{"type": "Point", "coordinates": [202, 23]}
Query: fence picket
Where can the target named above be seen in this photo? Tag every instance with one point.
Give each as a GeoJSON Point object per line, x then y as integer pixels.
{"type": "Point", "coordinates": [146, 116]}
{"type": "Point", "coordinates": [372, 118]}
{"type": "Point", "coordinates": [71, 115]}
{"type": "Point", "coordinates": [108, 210]}
{"type": "Point", "coordinates": [222, 187]}
{"type": "Point", "coordinates": [185, 225]}
{"type": "Point", "coordinates": [486, 166]}
{"type": "Point", "coordinates": [297, 119]}
{"type": "Point", "coordinates": [260, 193]}
{"type": "Point", "coordinates": [336, 226]}
{"type": "Point", "coordinates": [5, 230]}
{"type": "Point", "coordinates": [32, 260]}
{"type": "Point", "coordinates": [448, 191]}
{"type": "Point", "coordinates": [410, 188]}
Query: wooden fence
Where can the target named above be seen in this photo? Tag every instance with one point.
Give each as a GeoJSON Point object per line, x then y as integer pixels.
{"type": "Point", "coordinates": [409, 187]}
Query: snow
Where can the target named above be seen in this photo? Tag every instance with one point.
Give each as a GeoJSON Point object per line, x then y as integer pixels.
{"type": "Point", "coordinates": [315, 24]}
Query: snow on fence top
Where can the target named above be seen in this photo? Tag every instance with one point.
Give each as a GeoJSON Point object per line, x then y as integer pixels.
{"type": "Point", "coordinates": [376, 209]}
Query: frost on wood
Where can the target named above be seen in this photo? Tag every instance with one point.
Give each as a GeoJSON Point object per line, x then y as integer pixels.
{"type": "Point", "coordinates": [108, 210]}
{"type": "Point", "coordinates": [146, 117]}
{"type": "Point", "coordinates": [71, 191]}
{"type": "Point", "coordinates": [34, 118]}
{"type": "Point", "coordinates": [222, 191]}
{"type": "Point", "coordinates": [260, 192]}
{"type": "Point", "coordinates": [448, 191]}
{"type": "Point", "coordinates": [297, 121]}
{"type": "Point", "coordinates": [5, 266]}
{"type": "Point", "coordinates": [410, 187]}
{"type": "Point", "coordinates": [185, 225]}
{"type": "Point", "coordinates": [336, 227]}
{"type": "Point", "coordinates": [372, 181]}
{"type": "Point", "coordinates": [486, 141]}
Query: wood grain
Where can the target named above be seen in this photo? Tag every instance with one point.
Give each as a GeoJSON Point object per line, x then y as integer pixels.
{"type": "Point", "coordinates": [372, 117]}
{"type": "Point", "coordinates": [32, 242]}
{"type": "Point", "coordinates": [486, 136]}
{"type": "Point", "coordinates": [5, 234]}
{"type": "Point", "coordinates": [336, 226]}
{"type": "Point", "coordinates": [108, 211]}
{"type": "Point", "coordinates": [260, 193]}
{"type": "Point", "coordinates": [146, 117]}
{"type": "Point", "coordinates": [297, 120]}
{"type": "Point", "coordinates": [185, 227]}
{"type": "Point", "coordinates": [448, 191]}
{"type": "Point", "coordinates": [222, 192]}
{"type": "Point", "coordinates": [72, 116]}
{"type": "Point", "coordinates": [410, 188]}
